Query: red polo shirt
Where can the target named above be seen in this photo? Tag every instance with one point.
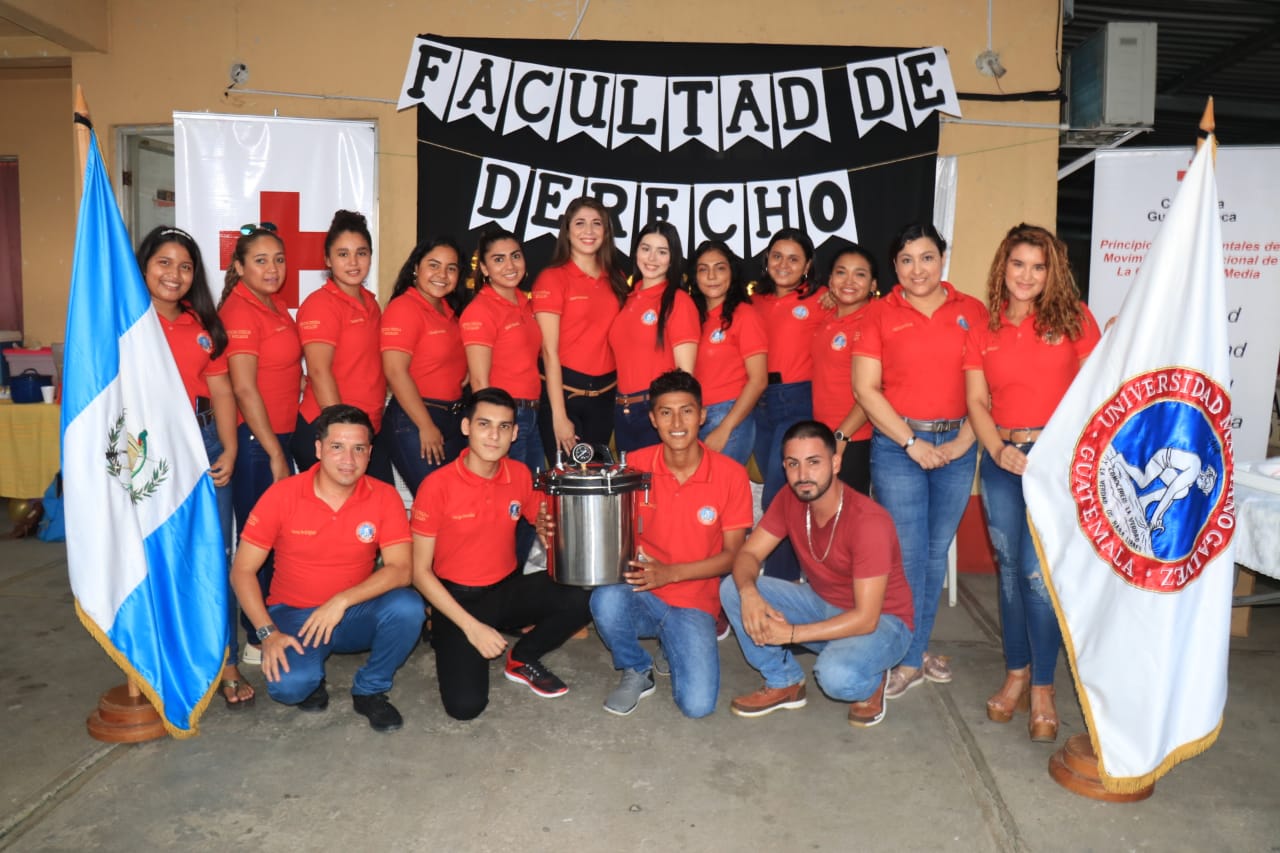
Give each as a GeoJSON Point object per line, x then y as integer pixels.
{"type": "Point", "coordinates": [191, 346]}
{"type": "Point", "coordinates": [634, 336]}
{"type": "Point", "coordinates": [791, 322]}
{"type": "Point", "coordinates": [432, 340]}
{"type": "Point", "coordinates": [865, 546]}
{"type": "Point", "coordinates": [330, 316]}
{"type": "Point", "coordinates": [682, 523]}
{"type": "Point", "coordinates": [319, 551]}
{"type": "Point", "coordinates": [271, 336]}
{"type": "Point", "coordinates": [1028, 375]}
{"type": "Point", "coordinates": [833, 371]}
{"type": "Point", "coordinates": [586, 306]}
{"type": "Point", "coordinates": [722, 353]}
{"type": "Point", "coordinates": [511, 332]}
{"type": "Point", "coordinates": [473, 519]}
{"type": "Point", "coordinates": [921, 357]}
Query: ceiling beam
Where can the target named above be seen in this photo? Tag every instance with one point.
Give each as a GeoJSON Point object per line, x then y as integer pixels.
{"type": "Point", "coordinates": [1228, 56]}
{"type": "Point", "coordinates": [76, 25]}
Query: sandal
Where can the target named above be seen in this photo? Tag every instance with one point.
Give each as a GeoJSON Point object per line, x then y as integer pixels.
{"type": "Point", "coordinates": [936, 668]}
{"type": "Point", "coordinates": [1043, 725]}
{"type": "Point", "coordinates": [234, 685]}
{"type": "Point", "coordinates": [1013, 697]}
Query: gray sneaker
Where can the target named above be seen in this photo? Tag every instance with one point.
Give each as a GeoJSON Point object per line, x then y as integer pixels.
{"type": "Point", "coordinates": [633, 687]}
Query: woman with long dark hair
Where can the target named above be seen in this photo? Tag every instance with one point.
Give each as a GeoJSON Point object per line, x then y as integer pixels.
{"type": "Point", "coordinates": [338, 326]}
{"type": "Point", "coordinates": [656, 331]}
{"type": "Point", "coordinates": [424, 361]}
{"type": "Point", "coordinates": [1018, 366]}
{"type": "Point", "coordinates": [732, 352]}
{"type": "Point", "coordinates": [174, 274]}
{"type": "Point", "coordinates": [574, 301]}
{"type": "Point", "coordinates": [502, 338]}
{"type": "Point", "coordinates": [852, 283]}
{"type": "Point", "coordinates": [908, 377]}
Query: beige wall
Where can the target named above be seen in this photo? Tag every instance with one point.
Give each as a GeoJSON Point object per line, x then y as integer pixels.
{"type": "Point", "coordinates": [176, 55]}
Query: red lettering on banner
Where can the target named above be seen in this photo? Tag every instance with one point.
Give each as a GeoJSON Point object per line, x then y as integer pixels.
{"type": "Point", "coordinates": [304, 250]}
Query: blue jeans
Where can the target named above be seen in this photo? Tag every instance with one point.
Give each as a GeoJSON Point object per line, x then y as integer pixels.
{"type": "Point", "coordinates": [252, 477]}
{"type": "Point", "coordinates": [226, 517]}
{"type": "Point", "coordinates": [399, 436]}
{"type": "Point", "coordinates": [387, 627]}
{"type": "Point", "coordinates": [780, 406]}
{"type": "Point", "coordinates": [688, 638]}
{"type": "Point", "coordinates": [527, 448]}
{"type": "Point", "coordinates": [1028, 623]}
{"type": "Point", "coordinates": [849, 669]}
{"type": "Point", "coordinates": [634, 430]}
{"type": "Point", "coordinates": [738, 447]}
{"type": "Point", "coordinates": [926, 507]}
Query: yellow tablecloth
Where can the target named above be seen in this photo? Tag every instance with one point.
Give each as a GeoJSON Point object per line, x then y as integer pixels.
{"type": "Point", "coordinates": [29, 448]}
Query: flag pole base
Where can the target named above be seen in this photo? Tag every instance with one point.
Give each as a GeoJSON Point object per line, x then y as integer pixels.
{"type": "Point", "coordinates": [1075, 767]}
{"type": "Point", "coordinates": [122, 717]}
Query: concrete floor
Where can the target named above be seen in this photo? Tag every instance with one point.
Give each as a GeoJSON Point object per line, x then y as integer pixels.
{"type": "Point", "coordinates": [534, 774]}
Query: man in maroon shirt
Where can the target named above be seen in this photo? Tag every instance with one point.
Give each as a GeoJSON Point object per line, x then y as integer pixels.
{"type": "Point", "coordinates": [327, 526]}
{"type": "Point", "coordinates": [852, 604]}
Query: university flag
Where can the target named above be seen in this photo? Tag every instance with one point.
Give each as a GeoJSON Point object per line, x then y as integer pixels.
{"type": "Point", "coordinates": [144, 550]}
{"type": "Point", "coordinates": [1129, 492]}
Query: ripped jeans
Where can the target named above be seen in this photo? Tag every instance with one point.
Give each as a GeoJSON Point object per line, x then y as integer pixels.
{"type": "Point", "coordinates": [1028, 624]}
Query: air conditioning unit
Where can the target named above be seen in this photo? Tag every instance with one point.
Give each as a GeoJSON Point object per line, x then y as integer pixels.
{"type": "Point", "coordinates": [1111, 78]}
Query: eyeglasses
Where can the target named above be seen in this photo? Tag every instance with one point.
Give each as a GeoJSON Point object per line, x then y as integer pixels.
{"type": "Point", "coordinates": [249, 227]}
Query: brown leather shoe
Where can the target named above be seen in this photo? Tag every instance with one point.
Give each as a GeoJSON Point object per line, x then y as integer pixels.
{"type": "Point", "coordinates": [1043, 726]}
{"type": "Point", "coordinates": [1014, 696]}
{"type": "Point", "coordinates": [869, 711]}
{"type": "Point", "coordinates": [767, 699]}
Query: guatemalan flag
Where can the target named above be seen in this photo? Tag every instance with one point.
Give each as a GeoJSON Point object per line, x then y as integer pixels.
{"type": "Point", "coordinates": [144, 549]}
{"type": "Point", "coordinates": [1129, 490]}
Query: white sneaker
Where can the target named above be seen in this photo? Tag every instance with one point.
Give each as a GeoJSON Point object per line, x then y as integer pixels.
{"type": "Point", "coordinates": [252, 655]}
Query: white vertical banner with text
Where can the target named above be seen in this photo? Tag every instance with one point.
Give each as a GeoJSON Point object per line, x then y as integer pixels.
{"type": "Point", "coordinates": [293, 173]}
{"type": "Point", "coordinates": [1132, 193]}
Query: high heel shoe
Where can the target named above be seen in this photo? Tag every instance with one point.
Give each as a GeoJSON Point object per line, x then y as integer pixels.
{"type": "Point", "coordinates": [1043, 725]}
{"type": "Point", "coordinates": [1013, 697]}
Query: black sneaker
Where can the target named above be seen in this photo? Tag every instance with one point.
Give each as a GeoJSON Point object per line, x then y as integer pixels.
{"type": "Point", "coordinates": [383, 716]}
{"type": "Point", "coordinates": [540, 680]}
{"type": "Point", "coordinates": [317, 701]}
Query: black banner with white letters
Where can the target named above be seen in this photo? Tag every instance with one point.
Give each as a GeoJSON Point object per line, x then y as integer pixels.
{"type": "Point", "coordinates": [727, 141]}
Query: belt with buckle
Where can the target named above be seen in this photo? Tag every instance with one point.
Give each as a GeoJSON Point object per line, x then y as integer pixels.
{"type": "Point", "coordinates": [935, 426]}
{"type": "Point", "coordinates": [451, 406]}
{"type": "Point", "coordinates": [625, 400]}
{"type": "Point", "coordinates": [572, 392]}
{"type": "Point", "coordinates": [1028, 434]}
{"type": "Point", "coordinates": [526, 404]}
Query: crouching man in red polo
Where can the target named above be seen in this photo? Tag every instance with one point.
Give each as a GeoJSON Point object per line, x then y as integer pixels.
{"type": "Point", "coordinates": [464, 562]}
{"type": "Point", "coordinates": [327, 526]}
{"type": "Point", "coordinates": [852, 605]}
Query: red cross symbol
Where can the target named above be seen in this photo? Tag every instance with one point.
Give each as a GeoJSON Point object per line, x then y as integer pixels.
{"type": "Point", "coordinates": [304, 250]}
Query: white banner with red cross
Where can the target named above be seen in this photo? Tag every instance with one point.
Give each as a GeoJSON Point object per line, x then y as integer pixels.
{"type": "Point", "coordinates": [294, 173]}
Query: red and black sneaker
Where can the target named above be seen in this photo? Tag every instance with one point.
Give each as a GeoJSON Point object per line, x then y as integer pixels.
{"type": "Point", "coordinates": [540, 680]}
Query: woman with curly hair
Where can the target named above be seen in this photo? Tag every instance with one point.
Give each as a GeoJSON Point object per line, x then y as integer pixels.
{"type": "Point", "coordinates": [1017, 368]}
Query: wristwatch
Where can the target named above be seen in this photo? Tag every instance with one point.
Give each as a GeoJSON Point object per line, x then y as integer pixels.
{"type": "Point", "coordinates": [840, 436]}
{"type": "Point", "coordinates": [265, 631]}
{"type": "Point", "coordinates": [909, 442]}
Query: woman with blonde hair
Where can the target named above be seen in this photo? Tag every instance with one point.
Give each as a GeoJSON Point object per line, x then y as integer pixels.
{"type": "Point", "coordinates": [1018, 366]}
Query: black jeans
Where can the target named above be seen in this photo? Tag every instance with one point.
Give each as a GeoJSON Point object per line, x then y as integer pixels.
{"type": "Point", "coordinates": [592, 416]}
{"type": "Point", "coordinates": [855, 466]}
{"type": "Point", "coordinates": [556, 612]}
